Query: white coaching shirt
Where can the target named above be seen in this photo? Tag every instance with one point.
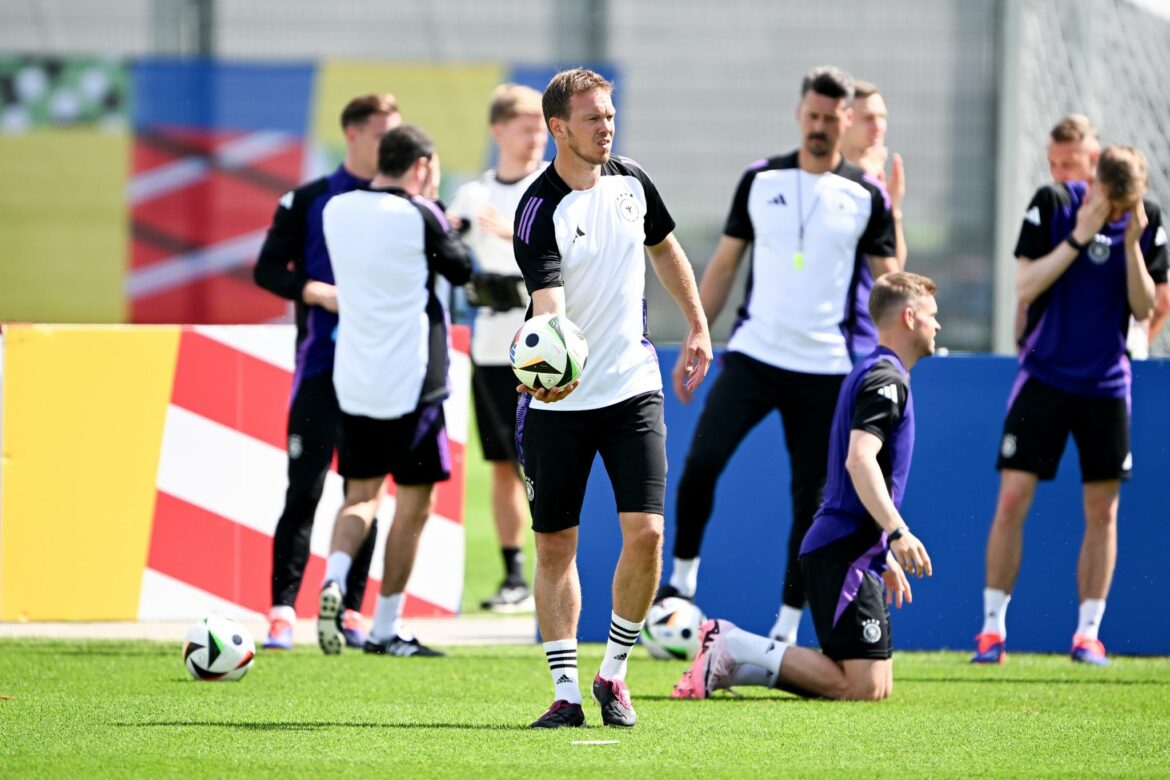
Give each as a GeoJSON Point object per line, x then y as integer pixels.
{"type": "Point", "coordinates": [799, 298]}
{"type": "Point", "coordinates": [386, 247]}
{"type": "Point", "coordinates": [591, 242]}
{"type": "Point", "coordinates": [493, 329]}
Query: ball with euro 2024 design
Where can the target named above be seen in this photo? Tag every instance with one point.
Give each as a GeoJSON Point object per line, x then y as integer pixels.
{"type": "Point", "coordinates": [548, 351]}
{"type": "Point", "coordinates": [671, 630]}
{"type": "Point", "coordinates": [218, 649]}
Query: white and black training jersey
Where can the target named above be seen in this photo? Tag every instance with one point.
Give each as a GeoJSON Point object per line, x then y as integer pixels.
{"type": "Point", "coordinates": [493, 329]}
{"type": "Point", "coordinates": [591, 243]}
{"type": "Point", "coordinates": [800, 290]}
{"type": "Point", "coordinates": [392, 348]}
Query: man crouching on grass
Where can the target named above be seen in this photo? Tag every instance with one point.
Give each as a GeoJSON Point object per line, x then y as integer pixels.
{"type": "Point", "coordinates": [858, 537]}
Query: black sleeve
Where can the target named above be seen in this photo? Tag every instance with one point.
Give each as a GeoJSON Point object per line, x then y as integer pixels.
{"type": "Point", "coordinates": [739, 222]}
{"type": "Point", "coordinates": [878, 238]}
{"type": "Point", "coordinates": [280, 265]}
{"type": "Point", "coordinates": [1035, 239]}
{"type": "Point", "coordinates": [534, 242]}
{"type": "Point", "coordinates": [1154, 246]}
{"type": "Point", "coordinates": [658, 223]}
{"type": "Point", "coordinates": [881, 399]}
{"type": "Point", "coordinates": [446, 254]}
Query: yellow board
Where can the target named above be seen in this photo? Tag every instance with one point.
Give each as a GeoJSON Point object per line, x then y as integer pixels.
{"type": "Point", "coordinates": [63, 226]}
{"type": "Point", "coordinates": [83, 415]}
{"type": "Point", "coordinates": [449, 101]}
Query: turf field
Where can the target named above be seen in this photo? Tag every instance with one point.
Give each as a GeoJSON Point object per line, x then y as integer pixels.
{"type": "Point", "coordinates": [100, 708]}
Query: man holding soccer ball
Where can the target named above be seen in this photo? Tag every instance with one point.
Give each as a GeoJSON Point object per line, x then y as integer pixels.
{"type": "Point", "coordinates": [578, 238]}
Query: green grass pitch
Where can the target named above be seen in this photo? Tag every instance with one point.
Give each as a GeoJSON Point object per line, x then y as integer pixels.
{"type": "Point", "coordinates": [103, 708]}
{"type": "Point", "coordinates": [116, 709]}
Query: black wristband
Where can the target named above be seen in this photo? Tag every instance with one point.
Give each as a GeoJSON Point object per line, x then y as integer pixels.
{"type": "Point", "coordinates": [896, 534]}
{"type": "Point", "coordinates": [1073, 242]}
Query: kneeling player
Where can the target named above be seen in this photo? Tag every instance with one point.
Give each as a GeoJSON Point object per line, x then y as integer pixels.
{"type": "Point", "coordinates": [858, 536]}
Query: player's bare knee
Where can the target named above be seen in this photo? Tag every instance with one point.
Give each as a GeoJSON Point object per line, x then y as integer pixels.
{"type": "Point", "coordinates": [557, 549]}
{"type": "Point", "coordinates": [643, 537]}
{"type": "Point", "coordinates": [1013, 506]}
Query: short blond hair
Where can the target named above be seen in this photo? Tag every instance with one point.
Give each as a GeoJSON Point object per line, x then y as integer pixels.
{"type": "Point", "coordinates": [512, 100]}
{"type": "Point", "coordinates": [891, 292]}
{"type": "Point", "coordinates": [1124, 172]}
{"type": "Point", "coordinates": [568, 84]}
{"type": "Point", "coordinates": [1074, 128]}
{"type": "Point", "coordinates": [864, 89]}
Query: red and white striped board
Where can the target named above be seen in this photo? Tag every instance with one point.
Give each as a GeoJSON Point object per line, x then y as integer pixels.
{"type": "Point", "coordinates": [222, 476]}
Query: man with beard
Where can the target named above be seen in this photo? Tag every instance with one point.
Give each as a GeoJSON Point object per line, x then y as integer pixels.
{"type": "Point", "coordinates": [814, 220]}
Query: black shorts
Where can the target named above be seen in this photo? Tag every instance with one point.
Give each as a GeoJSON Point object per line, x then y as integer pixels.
{"type": "Point", "coordinates": [413, 449]}
{"type": "Point", "coordinates": [847, 629]}
{"type": "Point", "coordinates": [1040, 419]}
{"type": "Point", "coordinates": [494, 391]}
{"type": "Point", "coordinates": [557, 451]}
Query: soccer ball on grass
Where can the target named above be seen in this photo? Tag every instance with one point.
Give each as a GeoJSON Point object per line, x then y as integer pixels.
{"type": "Point", "coordinates": [671, 629]}
{"type": "Point", "coordinates": [218, 648]}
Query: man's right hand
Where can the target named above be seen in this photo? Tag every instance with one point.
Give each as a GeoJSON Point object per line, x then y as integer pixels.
{"type": "Point", "coordinates": [1091, 217]}
{"type": "Point", "coordinates": [550, 395]}
{"type": "Point", "coordinates": [320, 294]}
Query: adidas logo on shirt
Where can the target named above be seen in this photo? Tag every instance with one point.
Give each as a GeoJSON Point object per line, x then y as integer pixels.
{"type": "Point", "coordinates": [1032, 216]}
{"type": "Point", "coordinates": [890, 391]}
{"type": "Point", "coordinates": [778, 200]}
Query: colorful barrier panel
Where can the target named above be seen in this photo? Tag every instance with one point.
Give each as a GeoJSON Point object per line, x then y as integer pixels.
{"type": "Point", "coordinates": [144, 471]}
{"type": "Point", "coordinates": [950, 499]}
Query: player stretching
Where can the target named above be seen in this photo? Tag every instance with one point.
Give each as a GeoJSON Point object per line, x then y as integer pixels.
{"type": "Point", "coordinates": [579, 234]}
{"type": "Point", "coordinates": [1089, 257]}
{"type": "Point", "coordinates": [858, 536]}
{"type": "Point", "coordinates": [388, 243]}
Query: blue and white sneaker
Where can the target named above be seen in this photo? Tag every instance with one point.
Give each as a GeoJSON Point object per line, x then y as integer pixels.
{"type": "Point", "coordinates": [329, 634]}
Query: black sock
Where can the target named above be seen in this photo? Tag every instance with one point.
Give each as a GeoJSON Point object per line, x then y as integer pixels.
{"type": "Point", "coordinates": [513, 565]}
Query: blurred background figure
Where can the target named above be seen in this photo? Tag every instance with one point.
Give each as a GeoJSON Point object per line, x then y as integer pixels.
{"type": "Point", "coordinates": [483, 211]}
{"type": "Point", "coordinates": [294, 263]}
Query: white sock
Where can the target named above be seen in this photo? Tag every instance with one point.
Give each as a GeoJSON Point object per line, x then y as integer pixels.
{"type": "Point", "coordinates": [761, 651]}
{"type": "Point", "coordinates": [995, 604]}
{"type": "Point", "coordinates": [562, 663]}
{"type": "Point", "coordinates": [1091, 612]}
{"type": "Point", "coordinates": [388, 619]}
{"type": "Point", "coordinates": [786, 624]}
{"type": "Point", "coordinates": [622, 636]}
{"type": "Point", "coordinates": [684, 577]}
{"type": "Point", "coordinates": [750, 674]}
{"type": "Point", "coordinates": [337, 568]}
{"type": "Point", "coordinates": [282, 612]}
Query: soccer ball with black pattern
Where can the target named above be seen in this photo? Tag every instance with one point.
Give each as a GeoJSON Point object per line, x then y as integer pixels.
{"type": "Point", "coordinates": [548, 351]}
{"type": "Point", "coordinates": [671, 630]}
{"type": "Point", "coordinates": [218, 648]}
